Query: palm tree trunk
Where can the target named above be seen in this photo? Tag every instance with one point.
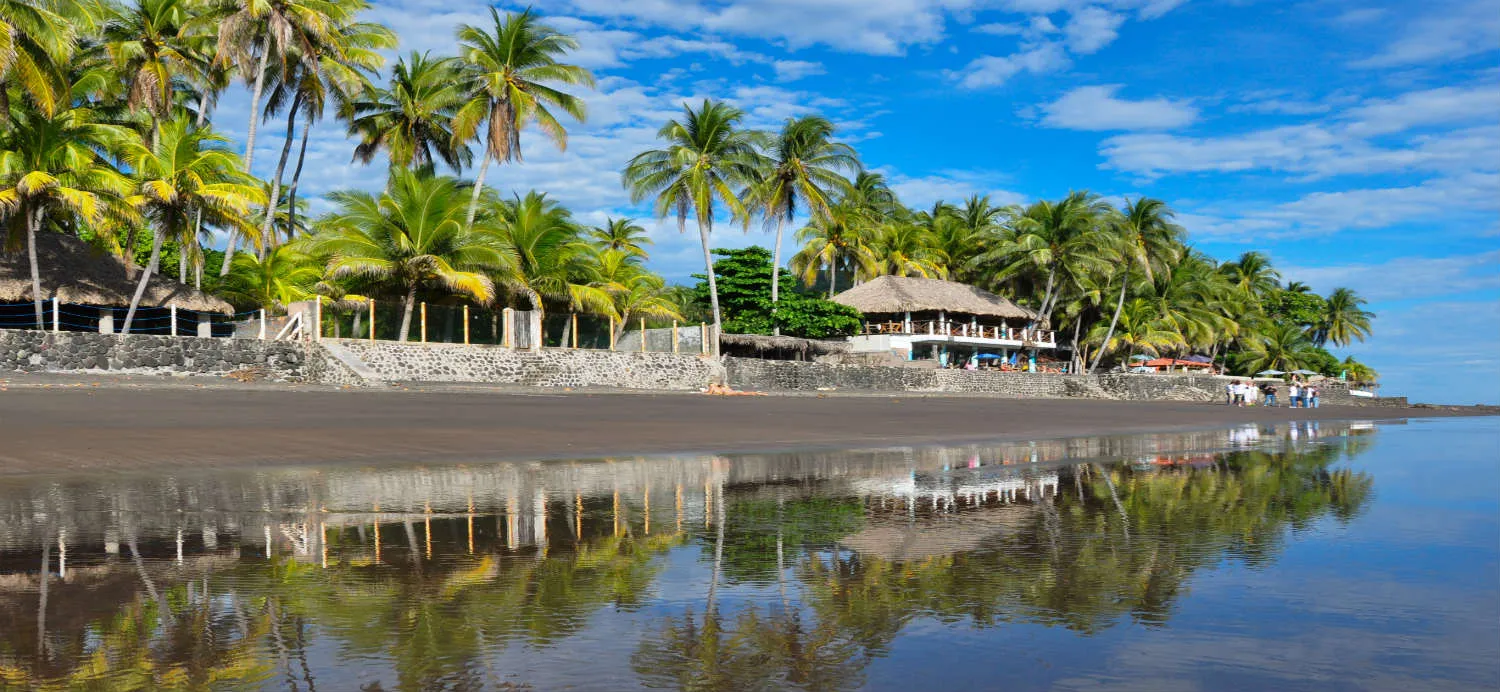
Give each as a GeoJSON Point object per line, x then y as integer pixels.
{"type": "Point", "coordinates": [182, 262]}
{"type": "Point", "coordinates": [833, 275]}
{"type": "Point", "coordinates": [776, 275]}
{"type": "Point", "coordinates": [291, 195]}
{"type": "Point", "coordinates": [140, 288]}
{"type": "Point", "coordinates": [34, 224]}
{"type": "Point", "coordinates": [267, 226]}
{"type": "Point", "coordinates": [411, 300]}
{"type": "Point", "coordinates": [1077, 359]}
{"type": "Point", "coordinates": [713, 585]}
{"type": "Point", "coordinates": [255, 94]}
{"type": "Point", "coordinates": [713, 285]}
{"type": "Point", "coordinates": [203, 108]}
{"type": "Point", "coordinates": [1044, 311]}
{"type": "Point", "coordinates": [1110, 333]}
{"type": "Point", "coordinates": [484, 167]}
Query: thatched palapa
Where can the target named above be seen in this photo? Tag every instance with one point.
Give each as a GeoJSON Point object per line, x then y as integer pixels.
{"type": "Point", "coordinates": [891, 295]}
{"type": "Point", "coordinates": [75, 272]}
{"type": "Point", "coordinates": [762, 342]}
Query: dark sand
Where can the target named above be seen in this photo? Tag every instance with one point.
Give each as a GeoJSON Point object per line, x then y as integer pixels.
{"type": "Point", "coordinates": [83, 424]}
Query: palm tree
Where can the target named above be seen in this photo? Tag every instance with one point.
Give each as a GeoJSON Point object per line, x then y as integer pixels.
{"type": "Point", "coordinates": [963, 233]}
{"type": "Point", "coordinates": [870, 193]}
{"type": "Point", "coordinates": [1141, 328]}
{"type": "Point", "coordinates": [1049, 243]}
{"type": "Point", "coordinates": [845, 237]}
{"type": "Point", "coordinates": [1252, 274]}
{"type": "Point", "coordinates": [36, 40]}
{"type": "Point", "coordinates": [186, 169]}
{"type": "Point", "coordinates": [510, 77]}
{"type": "Point", "coordinates": [547, 258]}
{"type": "Point", "coordinates": [1344, 319]}
{"type": "Point", "coordinates": [53, 164]}
{"type": "Point", "coordinates": [284, 276]}
{"type": "Point", "coordinates": [1146, 240]}
{"type": "Point", "coordinates": [805, 172]}
{"type": "Point", "coordinates": [633, 291]}
{"type": "Point", "coordinates": [623, 235]}
{"type": "Point", "coordinates": [412, 118]}
{"type": "Point", "coordinates": [411, 236]}
{"type": "Point", "coordinates": [907, 249]}
{"type": "Point", "coordinates": [707, 158]}
{"type": "Point", "coordinates": [1284, 346]}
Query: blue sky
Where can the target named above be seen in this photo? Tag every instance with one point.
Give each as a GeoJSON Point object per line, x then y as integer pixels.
{"type": "Point", "coordinates": [1357, 143]}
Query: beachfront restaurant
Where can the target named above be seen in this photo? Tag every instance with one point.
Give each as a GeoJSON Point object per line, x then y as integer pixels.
{"type": "Point", "coordinates": [946, 323]}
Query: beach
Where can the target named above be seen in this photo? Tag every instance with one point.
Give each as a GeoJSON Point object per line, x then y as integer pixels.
{"type": "Point", "coordinates": [74, 424]}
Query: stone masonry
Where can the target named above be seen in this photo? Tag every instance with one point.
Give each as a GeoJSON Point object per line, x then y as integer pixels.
{"type": "Point", "coordinates": [394, 361]}
{"type": "Point", "coordinates": [38, 351]}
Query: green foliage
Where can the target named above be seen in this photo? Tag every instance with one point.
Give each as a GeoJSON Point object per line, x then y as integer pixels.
{"type": "Point", "coordinates": [1303, 309]}
{"type": "Point", "coordinates": [744, 278]}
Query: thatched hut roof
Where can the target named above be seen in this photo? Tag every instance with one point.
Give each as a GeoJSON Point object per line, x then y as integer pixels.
{"type": "Point", "coordinates": [898, 294]}
{"type": "Point", "coordinates": [761, 342]}
{"type": "Point", "coordinates": [78, 273]}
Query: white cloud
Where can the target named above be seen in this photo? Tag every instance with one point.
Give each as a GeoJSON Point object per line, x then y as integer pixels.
{"type": "Point", "coordinates": [1091, 29]}
{"type": "Point", "coordinates": [921, 192]}
{"type": "Point", "coordinates": [1440, 106]}
{"type": "Point", "coordinates": [1096, 108]}
{"type": "Point", "coordinates": [1448, 31]}
{"type": "Point", "coordinates": [793, 70]}
{"type": "Point", "coordinates": [1406, 278]}
{"type": "Point", "coordinates": [991, 71]}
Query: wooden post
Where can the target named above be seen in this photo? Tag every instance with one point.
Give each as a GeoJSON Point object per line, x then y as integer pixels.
{"type": "Point", "coordinates": [424, 323]}
{"type": "Point", "coordinates": [262, 324]}
{"type": "Point", "coordinates": [173, 321]}
{"type": "Point", "coordinates": [643, 335]}
{"type": "Point", "coordinates": [575, 331]}
{"type": "Point", "coordinates": [466, 325]}
{"type": "Point", "coordinates": [317, 330]}
{"type": "Point", "coordinates": [54, 315]}
{"type": "Point", "coordinates": [703, 332]}
{"type": "Point", "coordinates": [611, 332]}
{"type": "Point", "coordinates": [675, 346]}
{"type": "Point", "coordinates": [507, 318]}
{"type": "Point", "coordinates": [372, 319]}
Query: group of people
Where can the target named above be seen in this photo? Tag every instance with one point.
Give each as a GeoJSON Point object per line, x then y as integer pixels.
{"type": "Point", "coordinates": [1245, 393]}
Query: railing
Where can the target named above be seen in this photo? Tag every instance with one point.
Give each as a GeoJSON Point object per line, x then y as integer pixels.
{"type": "Point", "coordinates": [963, 329]}
{"type": "Point", "coordinates": [169, 320]}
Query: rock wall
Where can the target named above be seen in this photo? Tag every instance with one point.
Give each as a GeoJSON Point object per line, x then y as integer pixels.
{"type": "Point", "coordinates": [38, 351]}
{"type": "Point", "coordinates": [549, 368]}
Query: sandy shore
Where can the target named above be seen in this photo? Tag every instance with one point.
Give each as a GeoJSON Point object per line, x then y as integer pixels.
{"type": "Point", "coordinates": [62, 424]}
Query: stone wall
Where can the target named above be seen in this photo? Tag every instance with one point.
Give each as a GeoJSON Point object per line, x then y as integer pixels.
{"type": "Point", "coordinates": [38, 351]}
{"type": "Point", "coordinates": [394, 361]}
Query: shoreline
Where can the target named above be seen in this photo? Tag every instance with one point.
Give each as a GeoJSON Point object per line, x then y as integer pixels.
{"type": "Point", "coordinates": [68, 424]}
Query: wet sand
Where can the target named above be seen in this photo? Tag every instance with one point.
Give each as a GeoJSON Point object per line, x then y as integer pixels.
{"type": "Point", "coordinates": [71, 425]}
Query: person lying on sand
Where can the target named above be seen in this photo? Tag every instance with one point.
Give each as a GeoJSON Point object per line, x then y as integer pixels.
{"type": "Point", "coordinates": [724, 390]}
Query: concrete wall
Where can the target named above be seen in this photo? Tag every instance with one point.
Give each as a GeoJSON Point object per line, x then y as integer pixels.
{"type": "Point", "coordinates": [36, 351]}
{"type": "Point", "coordinates": [394, 361]}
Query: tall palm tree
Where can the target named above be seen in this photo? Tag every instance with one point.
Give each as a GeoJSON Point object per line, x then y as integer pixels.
{"type": "Point", "coordinates": [633, 291]}
{"type": "Point", "coordinates": [872, 194]}
{"type": "Point", "coordinates": [1145, 239]}
{"type": "Point", "coordinates": [804, 173]}
{"type": "Point", "coordinates": [548, 260]}
{"type": "Point", "coordinates": [1284, 346]}
{"type": "Point", "coordinates": [1344, 319]}
{"type": "Point", "coordinates": [1141, 329]}
{"type": "Point", "coordinates": [36, 40]}
{"type": "Point", "coordinates": [1047, 244]}
{"type": "Point", "coordinates": [1253, 274]}
{"type": "Point", "coordinates": [622, 235]}
{"type": "Point", "coordinates": [412, 118]}
{"type": "Point", "coordinates": [844, 237]}
{"type": "Point", "coordinates": [186, 169]}
{"type": "Point", "coordinates": [409, 237]}
{"type": "Point", "coordinates": [969, 230]}
{"type": "Point", "coordinates": [511, 77]}
{"type": "Point", "coordinates": [708, 158]}
{"type": "Point", "coordinates": [52, 165]}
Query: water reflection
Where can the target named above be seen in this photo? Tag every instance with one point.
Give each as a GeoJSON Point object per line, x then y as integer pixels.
{"type": "Point", "coordinates": [746, 572]}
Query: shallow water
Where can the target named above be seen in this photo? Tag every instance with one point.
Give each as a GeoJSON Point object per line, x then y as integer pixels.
{"type": "Point", "coordinates": [1312, 556]}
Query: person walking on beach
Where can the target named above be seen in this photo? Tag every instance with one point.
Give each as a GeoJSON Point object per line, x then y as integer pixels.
{"type": "Point", "coordinates": [1294, 395]}
{"type": "Point", "coordinates": [1269, 390]}
{"type": "Point", "coordinates": [1312, 397]}
{"type": "Point", "coordinates": [1229, 390]}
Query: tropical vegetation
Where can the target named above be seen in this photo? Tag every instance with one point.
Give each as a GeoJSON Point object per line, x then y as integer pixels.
{"type": "Point", "coordinates": [107, 132]}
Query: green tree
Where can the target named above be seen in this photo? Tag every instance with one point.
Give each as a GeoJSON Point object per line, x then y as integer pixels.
{"type": "Point", "coordinates": [547, 259]}
{"type": "Point", "coordinates": [36, 41]}
{"type": "Point", "coordinates": [1283, 347]}
{"type": "Point", "coordinates": [804, 174]}
{"type": "Point", "coordinates": [409, 237]}
{"type": "Point", "coordinates": [411, 118]}
{"type": "Point", "coordinates": [707, 162]}
{"type": "Point", "coordinates": [743, 277]}
{"type": "Point", "coordinates": [185, 170]}
{"type": "Point", "coordinates": [907, 249]}
{"type": "Point", "coordinates": [511, 75]}
{"type": "Point", "coordinates": [1145, 240]}
{"type": "Point", "coordinates": [843, 238]}
{"type": "Point", "coordinates": [52, 166]}
{"type": "Point", "coordinates": [283, 276]}
{"type": "Point", "coordinates": [1047, 245]}
{"type": "Point", "coordinates": [623, 235]}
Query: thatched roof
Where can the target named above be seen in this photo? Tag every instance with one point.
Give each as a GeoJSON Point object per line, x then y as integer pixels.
{"type": "Point", "coordinates": [761, 342]}
{"type": "Point", "coordinates": [898, 294]}
{"type": "Point", "coordinates": [78, 273]}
